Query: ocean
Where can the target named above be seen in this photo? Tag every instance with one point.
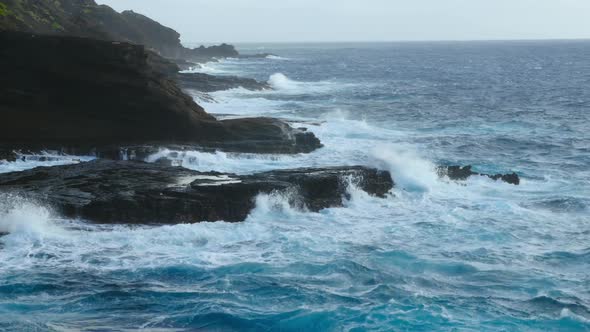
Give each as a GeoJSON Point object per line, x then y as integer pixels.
{"type": "Point", "coordinates": [436, 255]}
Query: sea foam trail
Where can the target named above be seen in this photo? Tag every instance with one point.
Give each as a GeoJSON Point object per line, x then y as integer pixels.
{"type": "Point", "coordinates": [276, 57]}
{"type": "Point", "coordinates": [282, 84]}
{"type": "Point", "coordinates": [44, 159]}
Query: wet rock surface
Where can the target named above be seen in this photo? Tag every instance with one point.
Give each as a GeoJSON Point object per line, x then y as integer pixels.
{"type": "Point", "coordinates": [129, 192]}
{"type": "Point", "coordinates": [210, 83]}
{"type": "Point", "coordinates": [461, 173]}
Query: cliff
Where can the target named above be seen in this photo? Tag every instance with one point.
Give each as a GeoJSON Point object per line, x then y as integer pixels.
{"type": "Point", "coordinates": [85, 18]}
{"type": "Point", "coordinates": [166, 40]}
{"type": "Point", "coordinates": [68, 88]}
{"type": "Point", "coordinates": [60, 91]}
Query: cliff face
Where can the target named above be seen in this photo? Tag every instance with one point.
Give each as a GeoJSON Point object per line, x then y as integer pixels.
{"type": "Point", "coordinates": [149, 33]}
{"type": "Point", "coordinates": [68, 90]}
{"type": "Point", "coordinates": [71, 92]}
{"type": "Point", "coordinates": [166, 40]}
{"type": "Point", "coordinates": [67, 80]}
{"type": "Point", "coordinates": [84, 18]}
{"type": "Point", "coordinates": [81, 18]}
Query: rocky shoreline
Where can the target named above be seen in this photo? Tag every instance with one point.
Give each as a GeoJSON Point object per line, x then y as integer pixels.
{"type": "Point", "coordinates": [115, 91]}
{"type": "Point", "coordinates": [132, 192]}
{"type": "Point", "coordinates": [111, 85]}
{"type": "Point", "coordinates": [88, 94]}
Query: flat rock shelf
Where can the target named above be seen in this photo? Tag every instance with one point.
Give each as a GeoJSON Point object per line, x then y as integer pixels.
{"type": "Point", "coordinates": [132, 192]}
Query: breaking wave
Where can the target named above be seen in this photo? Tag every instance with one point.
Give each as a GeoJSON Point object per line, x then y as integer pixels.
{"type": "Point", "coordinates": [434, 255]}
{"type": "Point", "coordinates": [23, 217]}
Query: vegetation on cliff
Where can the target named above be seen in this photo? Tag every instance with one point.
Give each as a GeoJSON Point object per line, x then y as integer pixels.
{"type": "Point", "coordinates": [85, 18]}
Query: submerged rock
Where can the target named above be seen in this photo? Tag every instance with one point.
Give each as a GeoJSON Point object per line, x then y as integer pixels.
{"type": "Point", "coordinates": [462, 173]}
{"type": "Point", "coordinates": [106, 191]}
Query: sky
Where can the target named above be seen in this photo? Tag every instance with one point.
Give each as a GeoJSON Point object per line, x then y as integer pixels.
{"type": "Point", "coordinates": [214, 21]}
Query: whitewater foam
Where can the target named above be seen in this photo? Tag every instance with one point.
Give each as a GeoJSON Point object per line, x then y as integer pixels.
{"type": "Point", "coordinates": [436, 254]}
{"type": "Point", "coordinates": [276, 57]}
{"type": "Point", "coordinates": [279, 81]}
{"type": "Point", "coordinates": [23, 217]}
{"type": "Point", "coordinates": [44, 159]}
{"type": "Point", "coordinates": [285, 85]}
{"type": "Point", "coordinates": [411, 172]}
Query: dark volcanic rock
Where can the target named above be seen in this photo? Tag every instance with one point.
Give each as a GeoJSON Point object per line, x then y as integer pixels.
{"type": "Point", "coordinates": [68, 89]}
{"type": "Point", "coordinates": [204, 54]}
{"type": "Point", "coordinates": [248, 135]}
{"type": "Point", "coordinates": [209, 83]}
{"type": "Point", "coordinates": [319, 188]}
{"type": "Point", "coordinates": [7, 155]}
{"type": "Point", "coordinates": [262, 135]}
{"type": "Point", "coordinates": [462, 173]}
{"type": "Point", "coordinates": [135, 192]}
{"type": "Point", "coordinates": [164, 40]}
{"type": "Point", "coordinates": [67, 92]}
{"type": "Point", "coordinates": [149, 33]}
{"type": "Point", "coordinates": [84, 18]}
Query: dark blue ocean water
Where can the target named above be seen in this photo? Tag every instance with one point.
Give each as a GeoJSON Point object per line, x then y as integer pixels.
{"type": "Point", "coordinates": [434, 256]}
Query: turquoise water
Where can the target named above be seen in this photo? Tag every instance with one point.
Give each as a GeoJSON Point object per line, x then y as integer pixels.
{"type": "Point", "coordinates": [435, 255]}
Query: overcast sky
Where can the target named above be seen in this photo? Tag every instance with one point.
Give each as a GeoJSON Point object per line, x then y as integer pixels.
{"type": "Point", "coordinates": [365, 20]}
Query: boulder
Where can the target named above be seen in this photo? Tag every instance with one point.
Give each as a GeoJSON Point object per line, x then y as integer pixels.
{"type": "Point", "coordinates": [460, 173]}
{"type": "Point", "coordinates": [104, 191]}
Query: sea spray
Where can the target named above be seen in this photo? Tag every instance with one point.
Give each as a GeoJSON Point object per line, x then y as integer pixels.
{"type": "Point", "coordinates": [409, 171]}
{"type": "Point", "coordinates": [240, 163]}
{"type": "Point", "coordinates": [24, 217]}
{"type": "Point", "coordinates": [471, 255]}
{"type": "Point", "coordinates": [279, 81]}
{"type": "Point", "coordinates": [283, 202]}
{"type": "Point", "coordinates": [282, 84]}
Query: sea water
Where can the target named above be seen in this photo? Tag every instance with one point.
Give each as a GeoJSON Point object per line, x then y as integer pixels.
{"type": "Point", "coordinates": [435, 255]}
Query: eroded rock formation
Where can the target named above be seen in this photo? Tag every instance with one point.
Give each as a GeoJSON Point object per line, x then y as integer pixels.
{"type": "Point", "coordinates": [69, 92]}
{"type": "Point", "coordinates": [106, 191]}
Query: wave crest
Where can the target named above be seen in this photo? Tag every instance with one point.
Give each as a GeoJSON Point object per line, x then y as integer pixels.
{"type": "Point", "coordinates": [276, 57]}
{"type": "Point", "coordinates": [279, 81]}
